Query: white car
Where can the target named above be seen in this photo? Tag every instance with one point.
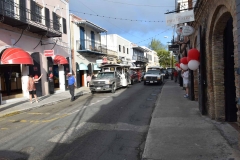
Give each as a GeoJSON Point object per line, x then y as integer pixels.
{"type": "Point", "coordinates": [153, 77]}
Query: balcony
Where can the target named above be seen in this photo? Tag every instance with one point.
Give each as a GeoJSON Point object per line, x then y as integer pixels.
{"type": "Point", "coordinates": [91, 47]}
{"type": "Point", "coordinates": [20, 17]}
{"type": "Point", "coordinates": [140, 58]}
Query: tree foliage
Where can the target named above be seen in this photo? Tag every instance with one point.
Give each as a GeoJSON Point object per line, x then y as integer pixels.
{"type": "Point", "coordinates": [156, 45]}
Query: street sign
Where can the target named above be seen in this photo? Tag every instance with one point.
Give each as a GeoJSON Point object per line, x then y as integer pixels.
{"type": "Point", "coordinates": [48, 53]}
{"type": "Point", "coordinates": [174, 47]}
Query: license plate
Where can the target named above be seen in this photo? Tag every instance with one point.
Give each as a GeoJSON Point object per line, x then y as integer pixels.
{"type": "Point", "coordinates": [151, 81]}
{"type": "Point", "coordinates": [98, 87]}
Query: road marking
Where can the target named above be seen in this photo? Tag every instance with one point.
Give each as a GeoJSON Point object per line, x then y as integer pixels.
{"type": "Point", "coordinates": [85, 127]}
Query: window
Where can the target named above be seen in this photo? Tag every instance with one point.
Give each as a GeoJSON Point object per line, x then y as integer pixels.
{"type": "Point", "coordinates": [64, 24]}
{"type": "Point", "coordinates": [9, 7]}
{"type": "Point", "coordinates": [38, 12]}
{"type": "Point", "coordinates": [47, 17]}
{"type": "Point", "coordinates": [119, 48]}
{"type": "Point", "coordinates": [22, 10]}
{"type": "Point", "coordinates": [127, 50]}
{"type": "Point", "coordinates": [123, 49]}
{"type": "Point", "coordinates": [56, 21]}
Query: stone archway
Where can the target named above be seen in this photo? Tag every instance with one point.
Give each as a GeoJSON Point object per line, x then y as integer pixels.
{"type": "Point", "coordinates": [217, 62]}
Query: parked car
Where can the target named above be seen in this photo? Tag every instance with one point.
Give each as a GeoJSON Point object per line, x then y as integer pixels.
{"type": "Point", "coordinates": [153, 77]}
{"type": "Point", "coordinates": [106, 81]}
{"type": "Point", "coordinates": [166, 73]}
{"type": "Point", "coordinates": [133, 76]}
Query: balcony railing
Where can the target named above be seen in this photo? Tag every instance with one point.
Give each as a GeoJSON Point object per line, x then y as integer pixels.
{"type": "Point", "coordinates": [140, 58]}
{"type": "Point", "coordinates": [84, 45]}
{"type": "Point", "coordinates": [18, 16]}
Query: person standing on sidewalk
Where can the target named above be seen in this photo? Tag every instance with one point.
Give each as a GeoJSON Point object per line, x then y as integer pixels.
{"type": "Point", "coordinates": [32, 88]}
{"type": "Point", "coordinates": [71, 85]}
{"type": "Point", "coordinates": [175, 74]}
{"type": "Point", "coordinates": [185, 74]}
{"type": "Point", "coordinates": [88, 79]}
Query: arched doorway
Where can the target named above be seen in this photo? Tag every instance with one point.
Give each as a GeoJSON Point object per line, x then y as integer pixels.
{"type": "Point", "coordinates": [229, 78]}
{"type": "Point", "coordinates": [223, 67]}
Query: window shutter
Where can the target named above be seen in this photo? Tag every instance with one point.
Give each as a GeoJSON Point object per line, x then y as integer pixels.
{"type": "Point", "coordinates": [22, 10]}
{"type": "Point", "coordinates": [54, 20]}
{"type": "Point", "coordinates": [64, 25]}
{"type": "Point", "coordinates": [33, 15]}
{"type": "Point", "coordinates": [47, 17]}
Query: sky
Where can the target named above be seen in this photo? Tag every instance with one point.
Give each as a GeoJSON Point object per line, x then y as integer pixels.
{"type": "Point", "coordinates": [131, 19]}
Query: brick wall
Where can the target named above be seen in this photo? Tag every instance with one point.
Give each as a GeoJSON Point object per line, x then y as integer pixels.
{"type": "Point", "coordinates": [212, 15]}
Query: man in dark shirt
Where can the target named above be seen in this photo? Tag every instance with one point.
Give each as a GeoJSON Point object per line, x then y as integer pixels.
{"type": "Point", "coordinates": [71, 85]}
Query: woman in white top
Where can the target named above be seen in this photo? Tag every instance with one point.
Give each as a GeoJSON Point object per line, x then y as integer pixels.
{"type": "Point", "coordinates": [185, 81]}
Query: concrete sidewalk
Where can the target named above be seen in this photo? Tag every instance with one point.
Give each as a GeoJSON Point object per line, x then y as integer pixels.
{"type": "Point", "coordinates": [179, 132]}
{"type": "Point", "coordinates": [23, 104]}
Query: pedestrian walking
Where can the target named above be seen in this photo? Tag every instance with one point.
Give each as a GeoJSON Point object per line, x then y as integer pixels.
{"type": "Point", "coordinates": [175, 74]}
{"type": "Point", "coordinates": [32, 88]}
{"type": "Point", "coordinates": [71, 85]}
{"type": "Point", "coordinates": [185, 74]}
{"type": "Point", "coordinates": [89, 78]}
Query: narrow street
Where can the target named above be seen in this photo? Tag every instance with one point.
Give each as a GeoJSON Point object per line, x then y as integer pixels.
{"type": "Point", "coordinates": [102, 126]}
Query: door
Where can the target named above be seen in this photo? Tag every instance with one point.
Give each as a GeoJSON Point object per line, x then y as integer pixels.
{"type": "Point", "coordinates": [82, 38]}
{"type": "Point", "coordinates": [92, 39]}
{"type": "Point", "coordinates": [35, 71]}
{"type": "Point", "coordinates": [82, 78]}
{"type": "Point", "coordinates": [202, 71]}
{"type": "Point", "coordinates": [229, 78]}
{"type": "Point", "coordinates": [78, 78]}
{"type": "Point", "coordinates": [50, 75]}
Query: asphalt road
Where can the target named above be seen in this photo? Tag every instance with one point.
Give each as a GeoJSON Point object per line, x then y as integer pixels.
{"type": "Point", "coordinates": [103, 126]}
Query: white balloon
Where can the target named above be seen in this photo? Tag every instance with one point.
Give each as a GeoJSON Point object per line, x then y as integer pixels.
{"type": "Point", "coordinates": [193, 64]}
{"type": "Point", "coordinates": [184, 66]}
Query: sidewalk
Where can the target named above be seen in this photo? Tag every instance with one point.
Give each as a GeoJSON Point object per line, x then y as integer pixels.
{"type": "Point", "coordinates": [22, 104]}
{"type": "Point", "coordinates": [179, 132]}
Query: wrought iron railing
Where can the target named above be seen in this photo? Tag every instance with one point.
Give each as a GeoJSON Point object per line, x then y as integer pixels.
{"type": "Point", "coordinates": [90, 45]}
{"type": "Point", "coordinates": [140, 58]}
{"type": "Point", "coordinates": [23, 14]}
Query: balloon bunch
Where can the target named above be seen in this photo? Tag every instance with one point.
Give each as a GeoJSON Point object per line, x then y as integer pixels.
{"type": "Point", "coordinates": [191, 61]}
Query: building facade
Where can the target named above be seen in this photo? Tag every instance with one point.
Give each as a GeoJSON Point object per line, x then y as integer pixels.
{"type": "Point", "coordinates": [87, 48]}
{"type": "Point", "coordinates": [28, 28]}
{"type": "Point", "coordinates": [119, 45]}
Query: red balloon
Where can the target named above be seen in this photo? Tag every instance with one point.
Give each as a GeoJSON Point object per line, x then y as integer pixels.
{"type": "Point", "coordinates": [193, 54]}
{"type": "Point", "coordinates": [184, 60]}
{"type": "Point", "coordinates": [188, 59]}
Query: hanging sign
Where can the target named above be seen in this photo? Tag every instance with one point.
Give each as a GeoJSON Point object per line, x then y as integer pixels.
{"type": "Point", "coordinates": [187, 30]}
{"type": "Point", "coordinates": [48, 53]}
{"type": "Point", "coordinates": [177, 18]}
{"type": "Point", "coordinates": [174, 47]}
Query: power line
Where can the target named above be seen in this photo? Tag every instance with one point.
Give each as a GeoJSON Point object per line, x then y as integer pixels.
{"type": "Point", "coordinates": [139, 5]}
{"type": "Point", "coordinates": [132, 20]}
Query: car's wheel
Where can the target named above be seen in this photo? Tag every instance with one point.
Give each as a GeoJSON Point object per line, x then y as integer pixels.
{"type": "Point", "coordinates": [131, 82]}
{"type": "Point", "coordinates": [144, 83]}
{"type": "Point", "coordinates": [92, 92]}
{"type": "Point", "coordinates": [113, 88]}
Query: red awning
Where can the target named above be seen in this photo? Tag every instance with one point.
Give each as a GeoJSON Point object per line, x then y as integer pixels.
{"type": "Point", "coordinates": [58, 59]}
{"type": "Point", "coordinates": [16, 56]}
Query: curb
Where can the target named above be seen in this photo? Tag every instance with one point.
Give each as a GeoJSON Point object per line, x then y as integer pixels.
{"type": "Point", "coordinates": [81, 93]}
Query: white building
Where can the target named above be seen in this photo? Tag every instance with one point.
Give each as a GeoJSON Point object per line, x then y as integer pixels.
{"type": "Point", "coordinates": [152, 57]}
{"type": "Point", "coordinates": [27, 29]}
{"type": "Point", "coordinates": [120, 45]}
{"type": "Point", "coordinates": [87, 48]}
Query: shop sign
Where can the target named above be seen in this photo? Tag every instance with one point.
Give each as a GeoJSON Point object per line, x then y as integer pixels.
{"type": "Point", "coordinates": [174, 47]}
{"type": "Point", "coordinates": [48, 53]}
{"type": "Point", "coordinates": [187, 30]}
{"type": "Point", "coordinates": [177, 18]}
